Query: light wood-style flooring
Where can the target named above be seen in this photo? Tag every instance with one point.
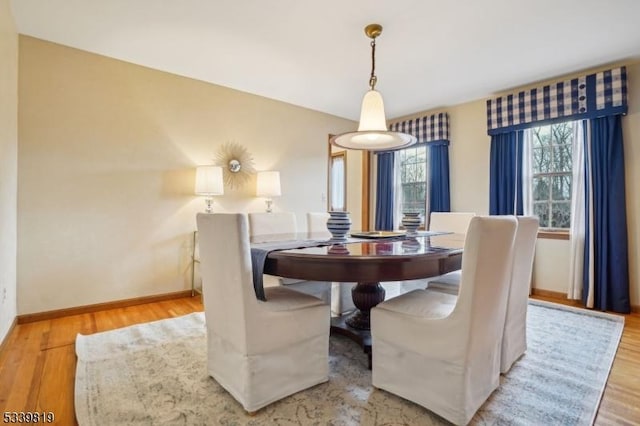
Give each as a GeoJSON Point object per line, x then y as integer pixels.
{"type": "Point", "coordinates": [37, 364]}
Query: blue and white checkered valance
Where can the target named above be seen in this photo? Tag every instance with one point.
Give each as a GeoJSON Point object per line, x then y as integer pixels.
{"type": "Point", "coordinates": [432, 128]}
{"type": "Point", "coordinates": [588, 96]}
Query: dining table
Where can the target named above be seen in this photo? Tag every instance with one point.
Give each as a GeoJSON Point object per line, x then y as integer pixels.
{"type": "Point", "coordinates": [366, 258]}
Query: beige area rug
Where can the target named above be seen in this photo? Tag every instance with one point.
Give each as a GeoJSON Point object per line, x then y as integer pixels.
{"type": "Point", "coordinates": [155, 374]}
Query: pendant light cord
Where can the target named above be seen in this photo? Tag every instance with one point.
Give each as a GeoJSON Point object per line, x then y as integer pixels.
{"type": "Point", "coordinates": [373, 79]}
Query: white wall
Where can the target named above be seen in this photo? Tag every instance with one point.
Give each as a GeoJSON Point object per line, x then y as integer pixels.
{"type": "Point", "coordinates": [106, 172]}
{"type": "Point", "coordinates": [106, 169]}
{"type": "Point", "coordinates": [8, 166]}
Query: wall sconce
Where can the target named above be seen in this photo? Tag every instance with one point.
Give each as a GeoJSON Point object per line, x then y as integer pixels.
{"type": "Point", "coordinates": [209, 183]}
{"type": "Point", "coordinates": [268, 185]}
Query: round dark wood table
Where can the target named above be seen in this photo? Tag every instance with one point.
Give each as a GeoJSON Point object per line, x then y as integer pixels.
{"type": "Point", "coordinates": [368, 262]}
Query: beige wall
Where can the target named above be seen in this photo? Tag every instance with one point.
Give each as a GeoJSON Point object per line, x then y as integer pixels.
{"type": "Point", "coordinates": [107, 151]}
{"type": "Point", "coordinates": [631, 135]}
{"type": "Point", "coordinates": [106, 171]}
{"type": "Point", "coordinates": [8, 166]}
{"type": "Point", "coordinates": [469, 163]}
{"type": "Point", "coordinates": [354, 188]}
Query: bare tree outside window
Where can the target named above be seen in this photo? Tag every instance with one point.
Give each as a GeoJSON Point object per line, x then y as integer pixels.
{"type": "Point", "coordinates": [413, 179]}
{"type": "Point", "coordinates": [552, 174]}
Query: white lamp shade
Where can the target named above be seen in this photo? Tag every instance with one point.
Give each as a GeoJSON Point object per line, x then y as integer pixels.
{"type": "Point", "coordinates": [209, 180]}
{"type": "Point", "coordinates": [372, 131]}
{"type": "Point", "coordinates": [372, 113]}
{"type": "Point", "coordinates": [373, 140]}
{"type": "Point", "coordinates": [268, 184]}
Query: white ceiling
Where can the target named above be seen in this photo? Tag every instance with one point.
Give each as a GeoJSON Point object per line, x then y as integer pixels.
{"type": "Point", "coordinates": [315, 54]}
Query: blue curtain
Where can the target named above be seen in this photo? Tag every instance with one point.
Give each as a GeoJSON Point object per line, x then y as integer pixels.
{"type": "Point", "coordinates": [505, 175]}
{"type": "Point", "coordinates": [611, 268]}
{"type": "Point", "coordinates": [384, 192]}
{"type": "Point", "coordinates": [439, 199]}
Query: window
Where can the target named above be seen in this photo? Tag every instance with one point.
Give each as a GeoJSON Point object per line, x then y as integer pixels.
{"type": "Point", "coordinates": [413, 178]}
{"type": "Point", "coordinates": [338, 182]}
{"type": "Point", "coordinates": [552, 174]}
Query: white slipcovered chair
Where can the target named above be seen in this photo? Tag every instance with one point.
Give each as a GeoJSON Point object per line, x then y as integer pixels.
{"type": "Point", "coordinates": [514, 339]}
{"type": "Point", "coordinates": [458, 223]}
{"type": "Point", "coordinates": [258, 351]}
{"type": "Point", "coordinates": [341, 300]}
{"type": "Point", "coordinates": [443, 352]}
{"type": "Point", "coordinates": [272, 223]}
{"type": "Point", "coordinates": [285, 223]}
{"type": "Point", "coordinates": [317, 224]}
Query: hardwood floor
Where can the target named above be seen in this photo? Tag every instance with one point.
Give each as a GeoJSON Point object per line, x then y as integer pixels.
{"type": "Point", "coordinates": [37, 364]}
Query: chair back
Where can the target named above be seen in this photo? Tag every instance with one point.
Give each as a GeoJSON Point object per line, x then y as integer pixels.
{"type": "Point", "coordinates": [317, 223]}
{"type": "Point", "coordinates": [227, 281]}
{"type": "Point", "coordinates": [272, 223]}
{"type": "Point", "coordinates": [484, 285]}
{"type": "Point", "coordinates": [514, 340]}
{"type": "Point", "coordinates": [456, 222]}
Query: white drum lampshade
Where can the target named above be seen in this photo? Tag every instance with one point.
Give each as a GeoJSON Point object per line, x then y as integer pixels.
{"type": "Point", "coordinates": [209, 183]}
{"type": "Point", "coordinates": [268, 185]}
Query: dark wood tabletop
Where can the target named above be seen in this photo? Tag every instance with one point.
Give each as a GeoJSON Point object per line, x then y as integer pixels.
{"type": "Point", "coordinates": [371, 260]}
{"type": "Point", "coordinates": [367, 262]}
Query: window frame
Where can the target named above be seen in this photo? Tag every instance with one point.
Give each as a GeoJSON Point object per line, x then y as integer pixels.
{"type": "Point", "coordinates": [400, 186]}
{"type": "Point", "coordinates": [334, 157]}
{"type": "Point", "coordinates": [551, 232]}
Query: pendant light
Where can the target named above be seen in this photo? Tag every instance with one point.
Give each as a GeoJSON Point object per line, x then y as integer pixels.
{"type": "Point", "coordinates": [372, 134]}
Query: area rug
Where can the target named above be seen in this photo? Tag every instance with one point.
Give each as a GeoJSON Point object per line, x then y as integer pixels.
{"type": "Point", "coordinates": [155, 374]}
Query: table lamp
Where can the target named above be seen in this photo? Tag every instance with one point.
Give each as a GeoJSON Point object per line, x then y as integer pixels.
{"type": "Point", "coordinates": [209, 183]}
{"type": "Point", "coordinates": [268, 185]}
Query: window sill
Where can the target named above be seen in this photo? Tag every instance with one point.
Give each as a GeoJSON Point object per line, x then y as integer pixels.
{"type": "Point", "coordinates": [553, 235]}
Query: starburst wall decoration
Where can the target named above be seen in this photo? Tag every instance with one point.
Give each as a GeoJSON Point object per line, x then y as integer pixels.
{"type": "Point", "coordinates": [237, 164]}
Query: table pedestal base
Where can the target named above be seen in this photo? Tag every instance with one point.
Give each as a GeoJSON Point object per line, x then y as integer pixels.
{"type": "Point", "coordinates": [357, 326]}
{"type": "Point", "coordinates": [365, 296]}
